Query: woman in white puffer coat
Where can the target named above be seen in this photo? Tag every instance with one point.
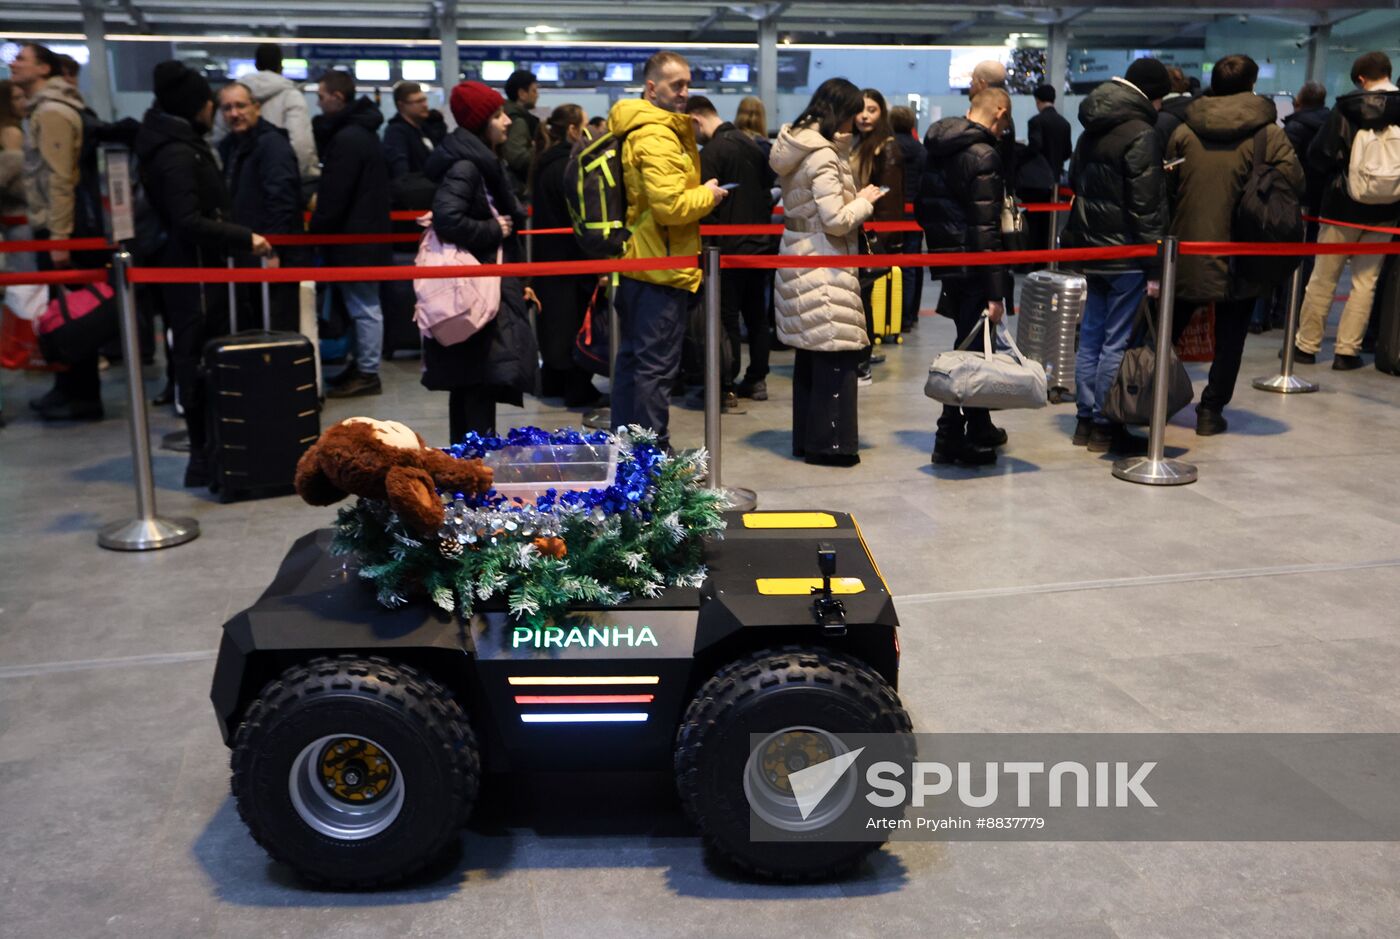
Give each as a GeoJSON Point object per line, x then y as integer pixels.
{"type": "Point", "coordinates": [818, 310]}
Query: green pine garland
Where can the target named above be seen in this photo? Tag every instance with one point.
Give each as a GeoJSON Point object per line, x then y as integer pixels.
{"type": "Point", "coordinates": [608, 560]}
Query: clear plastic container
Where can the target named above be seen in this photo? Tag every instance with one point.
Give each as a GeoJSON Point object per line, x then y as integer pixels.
{"type": "Point", "coordinates": [525, 473]}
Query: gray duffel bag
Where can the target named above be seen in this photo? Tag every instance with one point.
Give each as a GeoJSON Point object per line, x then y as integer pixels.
{"type": "Point", "coordinates": [1000, 380]}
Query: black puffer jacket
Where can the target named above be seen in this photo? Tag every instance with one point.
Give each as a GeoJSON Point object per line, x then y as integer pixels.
{"type": "Point", "coordinates": [1301, 128]}
{"type": "Point", "coordinates": [353, 195]}
{"type": "Point", "coordinates": [1330, 153]}
{"type": "Point", "coordinates": [960, 198]}
{"type": "Point", "coordinates": [503, 355]}
{"type": "Point", "coordinates": [264, 182]}
{"type": "Point", "coordinates": [732, 156]}
{"type": "Point", "coordinates": [552, 208]}
{"type": "Point", "coordinates": [185, 188]}
{"type": "Point", "coordinates": [1116, 172]}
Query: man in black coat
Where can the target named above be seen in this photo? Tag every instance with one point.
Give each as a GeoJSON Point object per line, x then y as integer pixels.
{"type": "Point", "coordinates": [959, 208]}
{"type": "Point", "coordinates": [1373, 107]}
{"type": "Point", "coordinates": [1048, 133]}
{"type": "Point", "coordinates": [1120, 199]}
{"type": "Point", "coordinates": [352, 198]}
{"type": "Point", "coordinates": [185, 189]}
{"type": "Point", "coordinates": [733, 157]}
{"type": "Point", "coordinates": [1310, 113]}
{"type": "Point", "coordinates": [411, 135]}
{"type": "Point", "coordinates": [904, 124]}
{"type": "Point", "coordinates": [264, 183]}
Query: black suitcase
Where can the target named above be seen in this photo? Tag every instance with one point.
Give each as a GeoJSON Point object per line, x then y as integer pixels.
{"type": "Point", "coordinates": [263, 410]}
{"type": "Point", "coordinates": [1385, 313]}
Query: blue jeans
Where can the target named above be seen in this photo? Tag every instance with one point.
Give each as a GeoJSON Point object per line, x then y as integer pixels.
{"type": "Point", "coordinates": [1109, 313]}
{"type": "Point", "coordinates": [362, 304]}
{"type": "Point", "coordinates": [652, 321]}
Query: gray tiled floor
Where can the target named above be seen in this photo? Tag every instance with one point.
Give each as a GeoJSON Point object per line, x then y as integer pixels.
{"type": "Point", "coordinates": [1039, 595]}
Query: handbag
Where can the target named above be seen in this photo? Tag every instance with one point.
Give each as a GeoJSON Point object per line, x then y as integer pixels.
{"type": "Point", "coordinates": [452, 309]}
{"type": "Point", "coordinates": [1013, 224]}
{"type": "Point", "coordinates": [77, 323]}
{"type": "Point", "coordinates": [1002, 380]}
{"type": "Point", "coordinates": [591, 345]}
{"type": "Point", "coordinates": [1129, 398]}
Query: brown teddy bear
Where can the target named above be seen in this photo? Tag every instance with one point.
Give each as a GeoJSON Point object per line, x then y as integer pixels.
{"type": "Point", "coordinates": [386, 460]}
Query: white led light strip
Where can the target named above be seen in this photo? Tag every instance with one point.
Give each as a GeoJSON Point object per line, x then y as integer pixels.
{"type": "Point", "coordinates": [584, 679]}
{"type": "Point", "coordinates": [629, 717]}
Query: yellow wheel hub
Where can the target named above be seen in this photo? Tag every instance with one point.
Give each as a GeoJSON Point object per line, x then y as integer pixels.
{"type": "Point", "coordinates": [355, 770]}
{"type": "Point", "coordinates": [793, 751]}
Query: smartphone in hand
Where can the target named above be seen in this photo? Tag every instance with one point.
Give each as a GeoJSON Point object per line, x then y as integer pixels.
{"type": "Point", "coordinates": [729, 187]}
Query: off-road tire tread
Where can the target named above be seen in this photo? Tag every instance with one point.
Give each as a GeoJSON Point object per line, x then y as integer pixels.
{"type": "Point", "coordinates": [404, 688]}
{"type": "Point", "coordinates": [740, 679]}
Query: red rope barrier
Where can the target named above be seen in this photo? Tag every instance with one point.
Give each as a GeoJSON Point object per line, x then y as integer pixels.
{"type": "Point", "coordinates": [950, 259]}
{"type": "Point", "coordinates": [283, 275]}
{"type": "Point", "coordinates": [1381, 229]}
{"type": "Point", "coordinates": [13, 219]}
{"type": "Point", "coordinates": [56, 244]}
{"type": "Point", "coordinates": [1225, 249]}
{"type": "Point", "coordinates": [375, 239]}
{"type": "Point", "coordinates": [72, 277]}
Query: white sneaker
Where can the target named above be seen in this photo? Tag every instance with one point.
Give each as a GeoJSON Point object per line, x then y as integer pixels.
{"type": "Point", "coordinates": [864, 381]}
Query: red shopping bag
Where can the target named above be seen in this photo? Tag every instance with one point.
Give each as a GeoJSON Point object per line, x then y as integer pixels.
{"type": "Point", "coordinates": [1197, 344]}
{"type": "Point", "coordinates": [19, 347]}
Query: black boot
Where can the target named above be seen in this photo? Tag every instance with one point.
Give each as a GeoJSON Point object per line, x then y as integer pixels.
{"type": "Point", "coordinates": [1210, 422]}
{"type": "Point", "coordinates": [960, 451]}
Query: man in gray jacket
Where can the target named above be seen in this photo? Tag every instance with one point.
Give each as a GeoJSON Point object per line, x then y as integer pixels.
{"type": "Point", "coordinates": [282, 104]}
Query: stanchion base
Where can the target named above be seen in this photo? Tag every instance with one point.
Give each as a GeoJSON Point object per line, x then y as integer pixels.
{"type": "Point", "coordinates": [1284, 384]}
{"type": "Point", "coordinates": [741, 500]}
{"type": "Point", "coordinates": [148, 534]}
{"type": "Point", "coordinates": [600, 419]}
{"type": "Point", "coordinates": [1150, 472]}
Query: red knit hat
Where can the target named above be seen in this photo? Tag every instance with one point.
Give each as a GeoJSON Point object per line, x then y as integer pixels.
{"type": "Point", "coordinates": [473, 104]}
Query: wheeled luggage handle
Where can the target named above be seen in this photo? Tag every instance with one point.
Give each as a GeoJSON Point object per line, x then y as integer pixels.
{"type": "Point", "coordinates": [266, 291]}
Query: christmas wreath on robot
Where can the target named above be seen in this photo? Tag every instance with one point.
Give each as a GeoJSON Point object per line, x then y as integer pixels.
{"type": "Point", "coordinates": [434, 523]}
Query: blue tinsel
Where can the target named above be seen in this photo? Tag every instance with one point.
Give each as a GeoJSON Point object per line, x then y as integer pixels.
{"type": "Point", "coordinates": [639, 466]}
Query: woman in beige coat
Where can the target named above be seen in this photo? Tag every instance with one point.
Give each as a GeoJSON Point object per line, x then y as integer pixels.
{"type": "Point", "coordinates": [818, 310]}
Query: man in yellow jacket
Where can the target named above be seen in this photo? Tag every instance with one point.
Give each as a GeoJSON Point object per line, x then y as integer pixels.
{"type": "Point", "coordinates": [665, 203]}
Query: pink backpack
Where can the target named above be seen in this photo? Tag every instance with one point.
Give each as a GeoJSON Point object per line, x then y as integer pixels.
{"type": "Point", "coordinates": [452, 309]}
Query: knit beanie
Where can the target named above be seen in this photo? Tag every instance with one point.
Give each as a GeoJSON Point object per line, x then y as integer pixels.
{"type": "Point", "coordinates": [180, 90]}
{"type": "Point", "coordinates": [473, 104]}
{"type": "Point", "coordinates": [1151, 78]}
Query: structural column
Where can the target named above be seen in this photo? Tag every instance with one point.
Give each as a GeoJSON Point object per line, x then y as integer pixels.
{"type": "Point", "coordinates": [99, 96]}
{"type": "Point", "coordinates": [768, 67]}
{"type": "Point", "coordinates": [1318, 41]}
{"type": "Point", "coordinates": [1057, 56]}
{"type": "Point", "coordinates": [450, 62]}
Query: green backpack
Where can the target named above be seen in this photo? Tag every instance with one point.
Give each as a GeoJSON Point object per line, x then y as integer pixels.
{"type": "Point", "coordinates": [597, 197]}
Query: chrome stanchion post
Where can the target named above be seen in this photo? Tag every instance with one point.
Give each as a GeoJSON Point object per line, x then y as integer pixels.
{"type": "Point", "coordinates": [266, 301]}
{"type": "Point", "coordinates": [1054, 224]}
{"type": "Point", "coordinates": [147, 531]}
{"type": "Point", "coordinates": [1285, 382]}
{"type": "Point", "coordinates": [601, 418]}
{"type": "Point", "coordinates": [1154, 469]}
{"type": "Point", "coordinates": [742, 499]}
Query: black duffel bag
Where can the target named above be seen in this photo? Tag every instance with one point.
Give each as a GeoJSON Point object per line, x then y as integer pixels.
{"type": "Point", "coordinates": [1129, 399]}
{"type": "Point", "coordinates": [78, 323]}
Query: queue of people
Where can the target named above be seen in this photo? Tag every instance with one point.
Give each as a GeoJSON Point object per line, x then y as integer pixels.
{"type": "Point", "coordinates": [1153, 158]}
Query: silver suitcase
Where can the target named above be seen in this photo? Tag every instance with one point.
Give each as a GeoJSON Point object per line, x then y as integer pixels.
{"type": "Point", "coordinates": [1047, 326]}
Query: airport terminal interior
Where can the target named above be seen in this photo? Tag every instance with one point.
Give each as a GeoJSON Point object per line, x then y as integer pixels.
{"type": "Point", "coordinates": [1040, 594]}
